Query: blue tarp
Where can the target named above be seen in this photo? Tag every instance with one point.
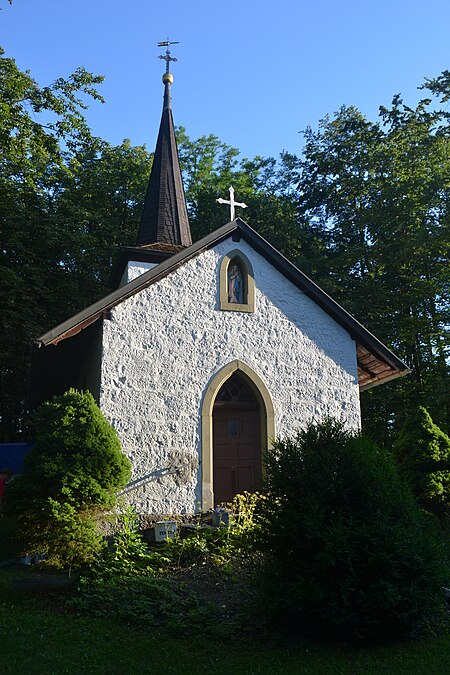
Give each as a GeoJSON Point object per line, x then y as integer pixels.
{"type": "Point", "coordinates": [12, 455]}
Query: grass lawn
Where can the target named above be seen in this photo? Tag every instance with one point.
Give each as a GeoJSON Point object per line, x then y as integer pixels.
{"type": "Point", "coordinates": [36, 636]}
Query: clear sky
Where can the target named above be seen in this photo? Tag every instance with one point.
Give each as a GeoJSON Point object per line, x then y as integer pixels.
{"type": "Point", "coordinates": [253, 72]}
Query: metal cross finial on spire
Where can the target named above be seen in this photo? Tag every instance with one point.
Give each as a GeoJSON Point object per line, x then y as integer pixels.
{"type": "Point", "coordinates": [167, 58]}
{"type": "Point", "coordinates": [231, 202]}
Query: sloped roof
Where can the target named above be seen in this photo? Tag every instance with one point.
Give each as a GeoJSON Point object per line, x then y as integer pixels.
{"type": "Point", "coordinates": [376, 363]}
{"type": "Point", "coordinates": [164, 217]}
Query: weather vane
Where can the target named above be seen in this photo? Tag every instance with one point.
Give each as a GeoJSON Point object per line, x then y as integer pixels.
{"type": "Point", "coordinates": [231, 202]}
{"type": "Point", "coordinates": [167, 58]}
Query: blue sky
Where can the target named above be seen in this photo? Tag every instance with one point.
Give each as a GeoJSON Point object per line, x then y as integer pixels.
{"type": "Point", "coordinates": [255, 73]}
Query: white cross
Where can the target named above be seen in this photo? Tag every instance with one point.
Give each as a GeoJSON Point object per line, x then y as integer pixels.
{"type": "Point", "coordinates": [231, 202]}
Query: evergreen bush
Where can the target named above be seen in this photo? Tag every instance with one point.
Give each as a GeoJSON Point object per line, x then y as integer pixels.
{"type": "Point", "coordinates": [70, 476]}
{"type": "Point", "coordinates": [350, 553]}
{"type": "Point", "coordinates": [422, 451]}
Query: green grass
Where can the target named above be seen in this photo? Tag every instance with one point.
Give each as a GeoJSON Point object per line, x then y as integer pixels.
{"type": "Point", "coordinates": [38, 635]}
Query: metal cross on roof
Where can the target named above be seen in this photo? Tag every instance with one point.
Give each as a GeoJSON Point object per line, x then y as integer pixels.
{"type": "Point", "coordinates": [231, 202]}
{"type": "Point", "coordinates": [167, 58]}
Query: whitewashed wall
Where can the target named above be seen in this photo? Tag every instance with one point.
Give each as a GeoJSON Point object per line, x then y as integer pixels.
{"type": "Point", "coordinates": [134, 269]}
{"type": "Point", "coordinates": [163, 346]}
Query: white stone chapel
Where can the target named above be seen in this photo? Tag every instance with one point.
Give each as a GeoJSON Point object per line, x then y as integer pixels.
{"type": "Point", "coordinates": [207, 351]}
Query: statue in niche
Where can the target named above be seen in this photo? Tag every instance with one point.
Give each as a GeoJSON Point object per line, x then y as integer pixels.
{"type": "Point", "coordinates": [235, 284]}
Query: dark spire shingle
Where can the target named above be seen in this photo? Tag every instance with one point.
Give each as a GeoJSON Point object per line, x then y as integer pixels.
{"type": "Point", "coordinates": [164, 218]}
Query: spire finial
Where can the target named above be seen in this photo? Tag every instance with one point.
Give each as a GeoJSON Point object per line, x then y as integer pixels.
{"type": "Point", "coordinates": [167, 77]}
{"type": "Point", "coordinates": [231, 202]}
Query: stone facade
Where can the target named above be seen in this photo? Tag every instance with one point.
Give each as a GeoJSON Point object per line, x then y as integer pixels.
{"type": "Point", "coordinates": [163, 346]}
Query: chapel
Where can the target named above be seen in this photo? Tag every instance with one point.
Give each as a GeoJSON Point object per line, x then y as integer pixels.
{"type": "Point", "coordinates": [207, 351]}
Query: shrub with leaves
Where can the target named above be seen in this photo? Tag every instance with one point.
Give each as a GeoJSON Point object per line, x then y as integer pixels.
{"type": "Point", "coordinates": [128, 554]}
{"type": "Point", "coordinates": [350, 554]}
{"type": "Point", "coordinates": [422, 451]}
{"type": "Point", "coordinates": [128, 551]}
{"type": "Point", "coordinates": [70, 476]}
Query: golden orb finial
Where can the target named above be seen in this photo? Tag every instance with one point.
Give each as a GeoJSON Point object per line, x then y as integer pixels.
{"type": "Point", "coordinates": [167, 78]}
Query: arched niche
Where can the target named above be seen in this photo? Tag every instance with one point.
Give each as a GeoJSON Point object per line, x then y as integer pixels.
{"type": "Point", "coordinates": [244, 300]}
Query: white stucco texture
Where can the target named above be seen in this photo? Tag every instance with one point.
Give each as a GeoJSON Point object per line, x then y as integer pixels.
{"type": "Point", "coordinates": [133, 270]}
{"type": "Point", "coordinates": [163, 346]}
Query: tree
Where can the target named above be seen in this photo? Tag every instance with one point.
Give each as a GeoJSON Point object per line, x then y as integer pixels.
{"type": "Point", "coordinates": [422, 451]}
{"type": "Point", "coordinates": [266, 185]}
{"type": "Point", "coordinates": [40, 127]}
{"type": "Point", "coordinates": [350, 554]}
{"type": "Point", "coordinates": [98, 207]}
{"type": "Point", "coordinates": [71, 474]}
{"type": "Point", "coordinates": [375, 196]}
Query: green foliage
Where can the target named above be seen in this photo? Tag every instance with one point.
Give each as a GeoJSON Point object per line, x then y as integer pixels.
{"type": "Point", "coordinates": [220, 546]}
{"type": "Point", "coordinates": [203, 546]}
{"type": "Point", "coordinates": [74, 470]}
{"type": "Point", "coordinates": [87, 644]}
{"type": "Point", "coordinates": [146, 601]}
{"type": "Point", "coordinates": [266, 185]}
{"type": "Point", "coordinates": [422, 451]}
{"type": "Point", "coordinates": [374, 196]}
{"type": "Point", "coordinates": [40, 127]}
{"type": "Point", "coordinates": [76, 455]}
{"type": "Point", "coordinates": [10, 542]}
{"type": "Point", "coordinates": [350, 553]}
{"type": "Point", "coordinates": [245, 523]}
{"type": "Point", "coordinates": [66, 535]}
{"type": "Point", "coordinates": [98, 208]}
{"type": "Point", "coordinates": [128, 544]}
{"type": "Point", "coordinates": [144, 585]}
{"type": "Point", "coordinates": [128, 554]}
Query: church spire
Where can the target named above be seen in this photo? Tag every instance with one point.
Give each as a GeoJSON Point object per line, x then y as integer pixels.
{"type": "Point", "coordinates": [164, 218]}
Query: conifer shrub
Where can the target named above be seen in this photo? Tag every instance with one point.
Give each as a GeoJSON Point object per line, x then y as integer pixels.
{"type": "Point", "coordinates": [422, 451]}
{"type": "Point", "coordinates": [70, 477]}
{"type": "Point", "coordinates": [350, 555]}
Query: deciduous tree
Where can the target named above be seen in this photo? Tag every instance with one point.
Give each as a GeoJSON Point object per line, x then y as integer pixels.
{"type": "Point", "coordinates": [376, 198]}
{"type": "Point", "coordinates": [39, 128]}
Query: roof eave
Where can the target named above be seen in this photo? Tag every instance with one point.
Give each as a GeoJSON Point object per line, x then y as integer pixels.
{"type": "Point", "coordinates": [383, 380]}
{"type": "Point", "coordinates": [93, 312]}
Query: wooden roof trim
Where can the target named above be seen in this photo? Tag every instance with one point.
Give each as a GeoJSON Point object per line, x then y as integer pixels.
{"type": "Point", "coordinates": [382, 380]}
{"type": "Point", "coordinates": [373, 370]}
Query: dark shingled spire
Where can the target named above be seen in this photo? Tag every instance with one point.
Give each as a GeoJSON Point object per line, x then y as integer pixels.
{"type": "Point", "coordinates": [164, 219]}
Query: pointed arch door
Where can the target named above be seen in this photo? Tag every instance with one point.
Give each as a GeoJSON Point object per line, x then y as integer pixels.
{"type": "Point", "coordinates": [237, 456]}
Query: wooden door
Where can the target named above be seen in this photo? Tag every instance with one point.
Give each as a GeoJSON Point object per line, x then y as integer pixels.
{"type": "Point", "coordinates": [237, 451]}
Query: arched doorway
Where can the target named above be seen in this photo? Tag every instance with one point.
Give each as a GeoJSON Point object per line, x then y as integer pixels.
{"type": "Point", "coordinates": [266, 421]}
{"type": "Point", "coordinates": [237, 452]}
